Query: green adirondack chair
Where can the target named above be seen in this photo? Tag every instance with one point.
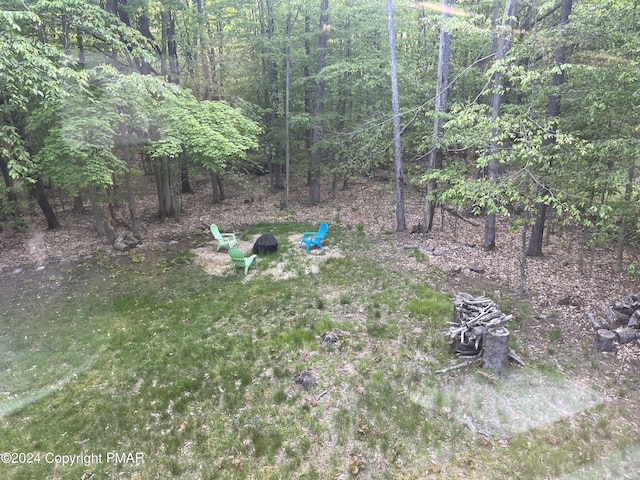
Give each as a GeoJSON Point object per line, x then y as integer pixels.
{"type": "Point", "coordinates": [224, 239]}
{"type": "Point", "coordinates": [239, 260]}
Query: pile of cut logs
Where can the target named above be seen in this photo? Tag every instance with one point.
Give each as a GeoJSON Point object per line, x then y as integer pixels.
{"type": "Point", "coordinates": [619, 323]}
{"type": "Point", "coordinates": [477, 330]}
{"type": "Point", "coordinates": [472, 317]}
{"type": "Point", "coordinates": [125, 242]}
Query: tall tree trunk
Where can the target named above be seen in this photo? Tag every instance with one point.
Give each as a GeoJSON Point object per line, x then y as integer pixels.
{"type": "Point", "coordinates": [184, 174]}
{"type": "Point", "coordinates": [287, 85]}
{"type": "Point", "coordinates": [216, 187]}
{"type": "Point", "coordinates": [316, 154]}
{"type": "Point", "coordinates": [167, 173]}
{"type": "Point", "coordinates": [271, 90]}
{"type": "Point", "coordinates": [624, 219]}
{"type": "Point", "coordinates": [81, 54]}
{"type": "Point", "coordinates": [131, 198]}
{"type": "Point", "coordinates": [345, 104]}
{"type": "Point", "coordinates": [522, 289]}
{"type": "Point", "coordinates": [164, 22]}
{"type": "Point", "coordinates": [307, 74]}
{"type": "Point", "coordinates": [442, 89]}
{"type": "Point", "coordinates": [8, 180]}
{"type": "Point", "coordinates": [401, 225]}
{"type": "Point", "coordinates": [169, 46]}
{"type": "Point", "coordinates": [169, 200]}
{"type": "Point", "coordinates": [553, 111]}
{"type": "Point", "coordinates": [218, 65]}
{"type": "Point", "coordinates": [276, 174]}
{"type": "Point", "coordinates": [39, 193]}
{"type": "Point", "coordinates": [96, 210]}
{"type": "Point", "coordinates": [66, 45]}
{"type": "Point", "coordinates": [204, 57]}
{"type": "Point", "coordinates": [172, 49]}
{"type": "Point", "coordinates": [495, 100]}
{"type": "Point", "coordinates": [144, 28]}
{"type": "Point", "coordinates": [78, 204]}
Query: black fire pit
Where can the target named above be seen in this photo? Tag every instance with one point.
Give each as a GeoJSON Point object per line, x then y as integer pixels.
{"type": "Point", "coordinates": [265, 244]}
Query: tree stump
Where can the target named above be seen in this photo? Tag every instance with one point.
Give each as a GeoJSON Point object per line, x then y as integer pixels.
{"type": "Point", "coordinates": [626, 334]}
{"type": "Point", "coordinates": [496, 350]}
{"type": "Point", "coordinates": [605, 340]}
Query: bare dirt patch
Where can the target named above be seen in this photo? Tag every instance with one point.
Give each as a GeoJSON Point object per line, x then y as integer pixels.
{"type": "Point", "coordinates": [296, 261]}
{"type": "Point", "coordinates": [217, 263]}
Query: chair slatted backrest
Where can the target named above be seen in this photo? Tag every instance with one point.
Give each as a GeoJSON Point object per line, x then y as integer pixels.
{"type": "Point", "coordinates": [322, 231]}
{"type": "Point", "coordinates": [237, 256]}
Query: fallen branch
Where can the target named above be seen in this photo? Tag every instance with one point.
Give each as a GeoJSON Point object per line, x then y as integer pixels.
{"type": "Point", "coordinates": [516, 357]}
{"type": "Point", "coordinates": [456, 367]}
{"type": "Point", "coordinates": [456, 214]}
{"type": "Point", "coordinates": [322, 395]}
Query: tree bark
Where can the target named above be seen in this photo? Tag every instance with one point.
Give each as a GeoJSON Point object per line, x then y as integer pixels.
{"type": "Point", "coordinates": [169, 47]}
{"type": "Point", "coordinates": [204, 58]}
{"type": "Point", "coordinates": [66, 45]}
{"type": "Point", "coordinates": [626, 334]}
{"type": "Point", "coordinates": [553, 111]}
{"type": "Point", "coordinates": [523, 259]}
{"type": "Point", "coordinates": [40, 195]}
{"type": "Point", "coordinates": [307, 73]}
{"type": "Point", "coordinates": [495, 101]}
{"type": "Point", "coordinates": [184, 175]}
{"type": "Point", "coordinates": [287, 87]}
{"type": "Point", "coordinates": [169, 200]}
{"type": "Point", "coordinates": [496, 350]}
{"type": "Point", "coordinates": [103, 228]}
{"type": "Point", "coordinates": [628, 190]}
{"type": "Point", "coordinates": [172, 49]}
{"type": "Point", "coordinates": [316, 153]}
{"type": "Point", "coordinates": [96, 210]}
{"type": "Point", "coordinates": [8, 180]}
{"type": "Point", "coordinates": [131, 198]}
{"type": "Point", "coordinates": [442, 89]}
{"type": "Point", "coordinates": [78, 204]}
{"type": "Point", "coordinates": [217, 188]}
{"type": "Point", "coordinates": [401, 225]}
{"type": "Point", "coordinates": [144, 28]}
{"type": "Point", "coordinates": [605, 340]}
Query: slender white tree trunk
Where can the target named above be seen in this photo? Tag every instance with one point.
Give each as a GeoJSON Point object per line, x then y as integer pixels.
{"type": "Point", "coordinates": [442, 89]}
{"type": "Point", "coordinates": [494, 170]}
{"type": "Point", "coordinates": [401, 225]}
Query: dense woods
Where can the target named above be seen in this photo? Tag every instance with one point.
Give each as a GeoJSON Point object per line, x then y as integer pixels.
{"type": "Point", "coordinates": [528, 110]}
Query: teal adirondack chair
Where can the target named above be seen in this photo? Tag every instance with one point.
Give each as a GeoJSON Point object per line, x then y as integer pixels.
{"type": "Point", "coordinates": [224, 239]}
{"type": "Point", "coordinates": [239, 260]}
{"type": "Point", "coordinates": [314, 238]}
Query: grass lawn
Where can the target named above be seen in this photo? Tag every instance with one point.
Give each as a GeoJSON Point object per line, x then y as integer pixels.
{"type": "Point", "coordinates": [157, 370]}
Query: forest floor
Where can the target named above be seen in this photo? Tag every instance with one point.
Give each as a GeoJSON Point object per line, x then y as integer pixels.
{"type": "Point", "coordinates": [551, 331]}
{"type": "Point", "coordinates": [563, 286]}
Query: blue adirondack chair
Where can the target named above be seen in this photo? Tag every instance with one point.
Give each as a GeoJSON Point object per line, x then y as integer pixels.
{"type": "Point", "coordinates": [314, 238]}
{"type": "Point", "coordinates": [224, 239]}
{"type": "Point", "coordinates": [239, 260]}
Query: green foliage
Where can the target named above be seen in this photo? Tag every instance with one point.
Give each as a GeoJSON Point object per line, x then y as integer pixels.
{"type": "Point", "coordinates": [78, 148]}
{"type": "Point", "coordinates": [62, 113]}
{"type": "Point", "coordinates": [212, 134]}
{"type": "Point", "coordinates": [633, 269]}
{"type": "Point", "coordinates": [10, 211]}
